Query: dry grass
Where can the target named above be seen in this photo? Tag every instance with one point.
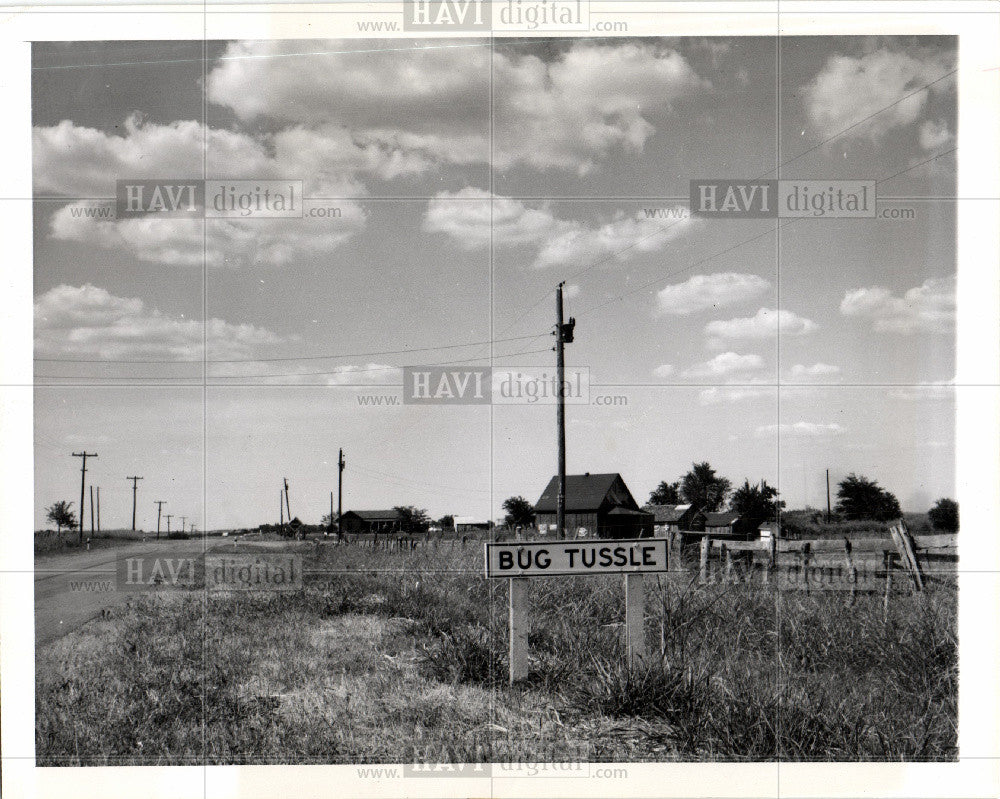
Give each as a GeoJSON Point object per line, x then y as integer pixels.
{"type": "Point", "coordinates": [394, 657]}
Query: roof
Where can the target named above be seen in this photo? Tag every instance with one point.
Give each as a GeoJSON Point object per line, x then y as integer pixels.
{"type": "Point", "coordinates": [620, 511]}
{"type": "Point", "coordinates": [470, 520]}
{"type": "Point", "coordinates": [722, 519]}
{"type": "Point", "coordinates": [584, 492]}
{"type": "Point", "coordinates": [376, 515]}
{"type": "Point", "coordinates": [667, 514]}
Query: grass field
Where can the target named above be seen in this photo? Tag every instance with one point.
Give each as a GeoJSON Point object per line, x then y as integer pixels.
{"type": "Point", "coordinates": [401, 657]}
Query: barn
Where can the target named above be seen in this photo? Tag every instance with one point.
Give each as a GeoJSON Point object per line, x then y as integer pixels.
{"type": "Point", "coordinates": [597, 505]}
{"type": "Point", "coordinates": [674, 518]}
{"type": "Point", "coordinates": [370, 521]}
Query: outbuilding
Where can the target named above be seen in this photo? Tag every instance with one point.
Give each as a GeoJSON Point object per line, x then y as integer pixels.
{"type": "Point", "coordinates": [727, 524]}
{"type": "Point", "coordinates": [675, 518]}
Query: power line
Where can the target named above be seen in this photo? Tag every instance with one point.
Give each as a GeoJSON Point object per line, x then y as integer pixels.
{"type": "Point", "coordinates": [289, 357]}
{"type": "Point", "coordinates": [290, 374]}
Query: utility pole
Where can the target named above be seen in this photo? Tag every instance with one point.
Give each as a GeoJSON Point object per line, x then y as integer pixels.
{"type": "Point", "coordinates": [281, 512]}
{"type": "Point", "coordinates": [135, 484]}
{"type": "Point", "coordinates": [169, 517]}
{"type": "Point", "coordinates": [183, 522]}
{"type": "Point", "coordinates": [83, 482]}
{"type": "Point", "coordinates": [287, 506]}
{"type": "Point", "coordinates": [827, 496]}
{"type": "Point", "coordinates": [91, 511]}
{"type": "Point", "coordinates": [98, 509]}
{"type": "Point", "coordinates": [564, 335]}
{"type": "Point", "coordinates": [159, 509]}
{"type": "Point", "coordinates": [340, 488]}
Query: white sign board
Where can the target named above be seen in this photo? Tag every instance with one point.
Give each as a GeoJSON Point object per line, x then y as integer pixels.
{"type": "Point", "coordinates": [575, 557]}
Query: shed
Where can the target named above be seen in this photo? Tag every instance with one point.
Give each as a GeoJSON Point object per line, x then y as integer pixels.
{"type": "Point", "coordinates": [727, 524]}
{"type": "Point", "coordinates": [466, 524]}
{"type": "Point", "coordinates": [675, 518]}
{"type": "Point", "coordinates": [769, 530]}
{"type": "Point", "coordinates": [596, 505]}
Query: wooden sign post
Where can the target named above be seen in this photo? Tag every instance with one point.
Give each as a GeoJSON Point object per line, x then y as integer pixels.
{"type": "Point", "coordinates": [519, 561]}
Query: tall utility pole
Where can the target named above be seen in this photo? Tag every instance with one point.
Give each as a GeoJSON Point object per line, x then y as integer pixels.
{"type": "Point", "coordinates": [135, 484]}
{"type": "Point", "coordinates": [98, 509]}
{"type": "Point", "coordinates": [287, 506]}
{"type": "Point", "coordinates": [169, 516]}
{"type": "Point", "coordinates": [564, 335]}
{"type": "Point", "coordinates": [183, 522]}
{"type": "Point", "coordinates": [83, 482]}
{"type": "Point", "coordinates": [159, 510]}
{"type": "Point", "coordinates": [340, 487]}
{"type": "Point", "coordinates": [827, 496]}
{"type": "Point", "coordinates": [281, 512]}
{"type": "Point", "coordinates": [91, 511]}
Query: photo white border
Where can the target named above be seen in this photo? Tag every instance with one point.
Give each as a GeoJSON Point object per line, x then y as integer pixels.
{"type": "Point", "coordinates": [976, 774]}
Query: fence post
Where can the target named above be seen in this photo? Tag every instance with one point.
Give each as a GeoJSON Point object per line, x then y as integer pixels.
{"type": "Point", "coordinates": [887, 556]}
{"type": "Point", "coordinates": [727, 556]}
{"type": "Point", "coordinates": [804, 555]}
{"type": "Point", "coordinates": [703, 560]}
{"type": "Point", "coordinates": [852, 572]}
{"type": "Point", "coordinates": [518, 629]}
{"type": "Point", "coordinates": [635, 612]}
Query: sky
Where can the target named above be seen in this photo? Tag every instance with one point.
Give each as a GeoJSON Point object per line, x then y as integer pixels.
{"type": "Point", "coordinates": [467, 184]}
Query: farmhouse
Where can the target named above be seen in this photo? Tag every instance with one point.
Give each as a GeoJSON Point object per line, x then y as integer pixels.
{"type": "Point", "coordinates": [596, 505]}
{"type": "Point", "coordinates": [370, 521]}
{"type": "Point", "coordinates": [674, 518]}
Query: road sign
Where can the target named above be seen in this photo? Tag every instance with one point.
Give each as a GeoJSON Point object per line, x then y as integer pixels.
{"type": "Point", "coordinates": [519, 560]}
{"type": "Point", "coordinates": [575, 557]}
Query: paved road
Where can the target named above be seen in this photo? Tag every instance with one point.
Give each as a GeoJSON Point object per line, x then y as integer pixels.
{"type": "Point", "coordinates": [72, 589]}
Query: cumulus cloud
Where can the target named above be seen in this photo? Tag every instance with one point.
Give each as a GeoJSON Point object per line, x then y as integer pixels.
{"type": "Point", "coordinates": [849, 89]}
{"type": "Point", "coordinates": [719, 395]}
{"type": "Point", "coordinates": [802, 372]}
{"type": "Point", "coordinates": [566, 112]}
{"type": "Point", "coordinates": [571, 112]}
{"type": "Point", "coordinates": [466, 217]}
{"type": "Point", "coordinates": [766, 323]}
{"type": "Point", "coordinates": [71, 160]}
{"type": "Point", "coordinates": [701, 292]}
{"type": "Point", "coordinates": [725, 364]}
{"type": "Point", "coordinates": [664, 370]}
{"type": "Point", "coordinates": [212, 242]}
{"type": "Point", "coordinates": [935, 134]}
{"type": "Point", "coordinates": [929, 307]}
{"type": "Point", "coordinates": [87, 321]}
{"type": "Point", "coordinates": [801, 429]}
{"type": "Point", "coordinates": [77, 161]}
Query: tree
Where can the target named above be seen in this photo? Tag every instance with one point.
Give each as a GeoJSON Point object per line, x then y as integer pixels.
{"type": "Point", "coordinates": [702, 488]}
{"type": "Point", "coordinates": [861, 498]}
{"type": "Point", "coordinates": [518, 512]}
{"type": "Point", "coordinates": [756, 503]}
{"type": "Point", "coordinates": [666, 494]}
{"type": "Point", "coordinates": [61, 515]}
{"type": "Point", "coordinates": [944, 515]}
{"type": "Point", "coordinates": [411, 519]}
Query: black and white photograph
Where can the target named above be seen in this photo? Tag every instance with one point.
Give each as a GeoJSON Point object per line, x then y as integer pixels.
{"type": "Point", "coordinates": [524, 398]}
